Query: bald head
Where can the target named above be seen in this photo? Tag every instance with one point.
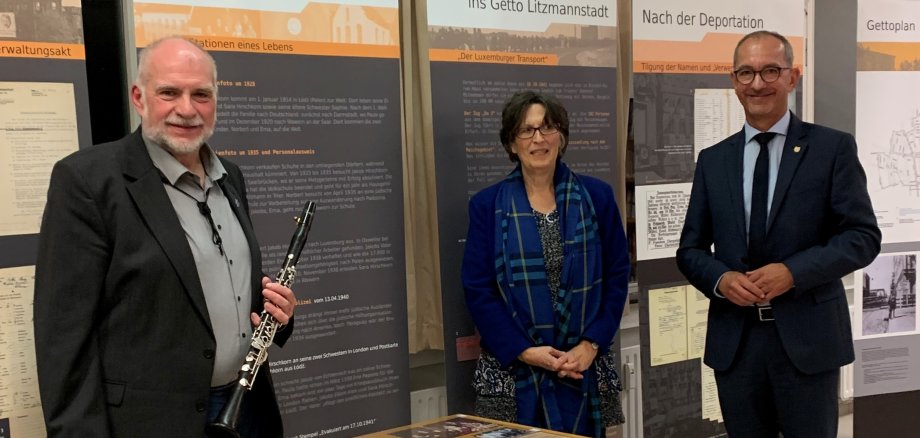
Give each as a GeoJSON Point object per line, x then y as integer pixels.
{"type": "Point", "coordinates": [765, 34]}
{"type": "Point", "coordinates": [174, 48]}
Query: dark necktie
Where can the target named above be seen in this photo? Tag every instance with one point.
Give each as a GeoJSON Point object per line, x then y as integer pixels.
{"type": "Point", "coordinates": [757, 230]}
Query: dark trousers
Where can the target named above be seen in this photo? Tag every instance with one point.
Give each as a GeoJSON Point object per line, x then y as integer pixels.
{"type": "Point", "coordinates": [763, 394]}
{"type": "Point", "coordinates": [248, 424]}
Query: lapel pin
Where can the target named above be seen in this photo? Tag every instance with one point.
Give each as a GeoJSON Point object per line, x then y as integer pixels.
{"type": "Point", "coordinates": [797, 149]}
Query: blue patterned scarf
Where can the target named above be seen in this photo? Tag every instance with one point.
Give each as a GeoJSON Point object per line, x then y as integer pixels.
{"type": "Point", "coordinates": [523, 284]}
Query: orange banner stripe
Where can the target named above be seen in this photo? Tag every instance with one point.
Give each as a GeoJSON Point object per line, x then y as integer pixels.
{"type": "Point", "coordinates": [888, 56]}
{"type": "Point", "coordinates": [30, 49]}
{"type": "Point", "coordinates": [450, 55]}
{"type": "Point", "coordinates": [713, 48]}
{"type": "Point", "coordinates": [684, 67]}
{"type": "Point", "coordinates": [287, 47]}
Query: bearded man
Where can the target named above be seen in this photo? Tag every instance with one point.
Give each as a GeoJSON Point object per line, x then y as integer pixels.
{"type": "Point", "coordinates": [148, 282]}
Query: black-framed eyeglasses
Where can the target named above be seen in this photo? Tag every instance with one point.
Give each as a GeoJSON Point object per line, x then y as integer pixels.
{"type": "Point", "coordinates": [768, 74]}
{"type": "Point", "coordinates": [529, 131]}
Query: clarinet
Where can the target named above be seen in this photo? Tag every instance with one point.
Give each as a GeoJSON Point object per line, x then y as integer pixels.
{"type": "Point", "coordinates": [225, 423]}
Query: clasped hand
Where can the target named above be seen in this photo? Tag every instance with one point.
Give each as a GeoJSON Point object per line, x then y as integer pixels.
{"type": "Point", "coordinates": [758, 286]}
{"type": "Point", "coordinates": [569, 364]}
{"type": "Point", "coordinates": [279, 301]}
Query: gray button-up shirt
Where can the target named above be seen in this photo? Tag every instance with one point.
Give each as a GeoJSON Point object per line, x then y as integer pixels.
{"type": "Point", "coordinates": [225, 279]}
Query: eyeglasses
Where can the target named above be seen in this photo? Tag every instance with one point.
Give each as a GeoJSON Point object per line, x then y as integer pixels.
{"type": "Point", "coordinates": [529, 132]}
{"type": "Point", "coordinates": [768, 74]}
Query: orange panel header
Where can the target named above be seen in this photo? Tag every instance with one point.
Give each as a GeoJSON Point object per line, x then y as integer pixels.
{"type": "Point", "coordinates": [491, 57]}
{"type": "Point", "coordinates": [295, 47]}
{"type": "Point", "coordinates": [319, 29]}
{"type": "Point", "coordinates": [681, 67]}
{"type": "Point", "coordinates": [28, 49]}
{"type": "Point", "coordinates": [714, 50]}
{"type": "Point", "coordinates": [888, 56]}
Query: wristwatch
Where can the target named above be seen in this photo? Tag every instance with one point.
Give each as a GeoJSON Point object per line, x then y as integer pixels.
{"type": "Point", "coordinates": [594, 345]}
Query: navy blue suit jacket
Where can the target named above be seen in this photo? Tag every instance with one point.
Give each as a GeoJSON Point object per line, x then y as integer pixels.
{"type": "Point", "coordinates": [821, 226]}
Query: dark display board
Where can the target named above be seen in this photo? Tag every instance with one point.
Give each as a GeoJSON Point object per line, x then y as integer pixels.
{"type": "Point", "coordinates": [309, 108]}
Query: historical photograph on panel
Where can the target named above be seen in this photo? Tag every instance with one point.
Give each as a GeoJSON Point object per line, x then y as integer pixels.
{"type": "Point", "coordinates": [7, 25]}
{"type": "Point", "coordinates": [889, 291]}
{"type": "Point", "coordinates": [49, 21]}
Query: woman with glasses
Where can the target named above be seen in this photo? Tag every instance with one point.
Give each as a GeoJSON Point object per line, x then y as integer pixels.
{"type": "Point", "coordinates": [545, 272]}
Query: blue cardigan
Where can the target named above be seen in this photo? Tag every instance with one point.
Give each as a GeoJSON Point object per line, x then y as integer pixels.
{"type": "Point", "coordinates": [500, 335]}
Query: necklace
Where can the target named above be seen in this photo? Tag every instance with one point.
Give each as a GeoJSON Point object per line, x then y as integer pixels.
{"type": "Point", "coordinates": [549, 218]}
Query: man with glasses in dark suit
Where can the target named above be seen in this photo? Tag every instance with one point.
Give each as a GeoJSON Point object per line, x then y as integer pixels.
{"type": "Point", "coordinates": [784, 205]}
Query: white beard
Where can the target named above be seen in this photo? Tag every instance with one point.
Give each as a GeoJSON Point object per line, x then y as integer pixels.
{"type": "Point", "coordinates": [157, 134]}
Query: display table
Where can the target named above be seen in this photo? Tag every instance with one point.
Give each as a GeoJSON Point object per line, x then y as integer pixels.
{"type": "Point", "coordinates": [461, 425]}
